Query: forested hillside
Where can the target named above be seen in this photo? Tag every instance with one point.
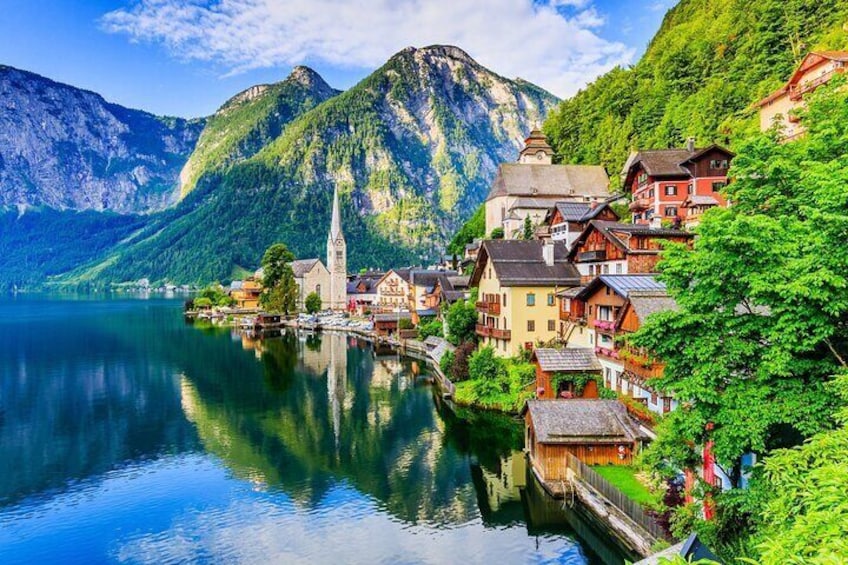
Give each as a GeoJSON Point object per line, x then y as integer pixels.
{"type": "Point", "coordinates": [710, 60]}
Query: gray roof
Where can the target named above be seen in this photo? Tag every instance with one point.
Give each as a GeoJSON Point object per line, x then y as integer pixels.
{"type": "Point", "coordinates": [428, 278]}
{"type": "Point", "coordinates": [624, 284]}
{"type": "Point", "coordinates": [645, 303]}
{"type": "Point", "coordinates": [582, 421]}
{"type": "Point", "coordinates": [579, 211]}
{"type": "Point", "coordinates": [440, 349]}
{"type": "Point", "coordinates": [303, 266]}
{"type": "Point", "coordinates": [459, 281]}
{"type": "Point", "coordinates": [520, 263]}
{"type": "Point", "coordinates": [568, 360]}
{"type": "Point", "coordinates": [699, 200]}
{"type": "Point", "coordinates": [392, 316]}
{"type": "Point", "coordinates": [663, 162]}
{"type": "Point", "coordinates": [531, 203]}
{"type": "Point", "coordinates": [570, 292]}
{"type": "Point", "coordinates": [612, 232]}
{"type": "Point", "coordinates": [519, 179]}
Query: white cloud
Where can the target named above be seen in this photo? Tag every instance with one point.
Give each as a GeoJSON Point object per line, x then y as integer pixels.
{"type": "Point", "coordinates": [551, 44]}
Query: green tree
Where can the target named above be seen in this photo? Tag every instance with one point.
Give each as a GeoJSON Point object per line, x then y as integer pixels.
{"type": "Point", "coordinates": [763, 319]}
{"type": "Point", "coordinates": [497, 233]}
{"type": "Point", "coordinates": [462, 321]}
{"type": "Point", "coordinates": [429, 327]}
{"type": "Point", "coordinates": [528, 228]}
{"type": "Point", "coordinates": [280, 293]}
{"type": "Point", "coordinates": [312, 302]}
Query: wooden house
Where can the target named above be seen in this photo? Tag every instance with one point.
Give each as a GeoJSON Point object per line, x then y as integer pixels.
{"type": "Point", "coordinates": [246, 293]}
{"type": "Point", "coordinates": [386, 324]}
{"type": "Point", "coordinates": [567, 220]}
{"type": "Point", "coordinates": [613, 248]}
{"type": "Point", "coordinates": [566, 373]}
{"type": "Point", "coordinates": [661, 179]}
{"type": "Point", "coordinates": [597, 432]}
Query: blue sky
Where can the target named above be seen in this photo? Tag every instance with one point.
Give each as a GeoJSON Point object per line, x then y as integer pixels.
{"type": "Point", "coordinates": [186, 57]}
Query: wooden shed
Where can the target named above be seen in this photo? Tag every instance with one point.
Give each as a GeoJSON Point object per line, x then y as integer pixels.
{"type": "Point", "coordinates": [597, 432]}
{"type": "Point", "coordinates": [386, 324]}
{"type": "Point", "coordinates": [566, 373]}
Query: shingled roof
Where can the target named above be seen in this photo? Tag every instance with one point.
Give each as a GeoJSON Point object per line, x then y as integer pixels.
{"type": "Point", "coordinates": [582, 421]}
{"type": "Point", "coordinates": [567, 360]}
{"type": "Point", "coordinates": [623, 285]}
{"type": "Point", "coordinates": [520, 263]}
{"type": "Point", "coordinates": [647, 302]}
{"type": "Point", "coordinates": [613, 232]}
{"type": "Point", "coordinates": [303, 266]}
{"type": "Point", "coordinates": [665, 162]}
{"type": "Point", "coordinates": [551, 181]}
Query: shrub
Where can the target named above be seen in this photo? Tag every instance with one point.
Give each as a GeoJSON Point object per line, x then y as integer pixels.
{"type": "Point", "coordinates": [405, 324]}
{"type": "Point", "coordinates": [497, 233]}
{"type": "Point", "coordinates": [459, 369]}
{"type": "Point", "coordinates": [430, 327]}
{"type": "Point", "coordinates": [447, 362]}
{"type": "Point", "coordinates": [312, 302]}
{"type": "Point", "coordinates": [462, 319]}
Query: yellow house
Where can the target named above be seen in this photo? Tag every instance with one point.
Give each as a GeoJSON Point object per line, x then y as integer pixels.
{"type": "Point", "coordinates": [517, 283]}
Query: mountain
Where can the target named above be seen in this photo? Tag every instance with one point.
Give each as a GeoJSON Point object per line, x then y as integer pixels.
{"type": "Point", "coordinates": [250, 120]}
{"type": "Point", "coordinates": [412, 149]}
{"type": "Point", "coordinates": [69, 149]}
{"type": "Point", "coordinates": [705, 67]}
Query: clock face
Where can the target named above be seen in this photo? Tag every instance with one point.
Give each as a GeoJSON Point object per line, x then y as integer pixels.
{"type": "Point", "coordinates": [540, 155]}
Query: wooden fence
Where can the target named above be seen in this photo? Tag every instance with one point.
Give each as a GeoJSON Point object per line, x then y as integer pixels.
{"type": "Point", "coordinates": [617, 498]}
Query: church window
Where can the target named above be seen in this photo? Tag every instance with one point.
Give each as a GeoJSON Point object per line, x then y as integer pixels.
{"type": "Point", "coordinates": [339, 255]}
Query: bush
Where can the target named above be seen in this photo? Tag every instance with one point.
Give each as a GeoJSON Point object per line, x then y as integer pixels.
{"type": "Point", "coordinates": [462, 319]}
{"type": "Point", "coordinates": [202, 302]}
{"type": "Point", "coordinates": [459, 369]}
{"type": "Point", "coordinates": [447, 362]}
{"type": "Point", "coordinates": [405, 324]}
{"type": "Point", "coordinates": [497, 233]}
{"type": "Point", "coordinates": [430, 327]}
{"type": "Point", "coordinates": [312, 302]}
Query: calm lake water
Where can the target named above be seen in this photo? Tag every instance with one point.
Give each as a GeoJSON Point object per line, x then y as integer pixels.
{"type": "Point", "coordinates": [128, 436]}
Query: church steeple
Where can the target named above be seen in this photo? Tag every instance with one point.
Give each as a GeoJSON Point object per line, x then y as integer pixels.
{"type": "Point", "coordinates": [336, 222]}
{"type": "Point", "coordinates": [337, 258]}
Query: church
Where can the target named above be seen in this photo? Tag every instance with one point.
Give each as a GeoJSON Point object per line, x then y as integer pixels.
{"type": "Point", "coordinates": [330, 281]}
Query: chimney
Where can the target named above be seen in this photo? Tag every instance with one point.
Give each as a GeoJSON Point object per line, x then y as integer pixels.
{"type": "Point", "coordinates": [656, 222]}
{"type": "Point", "coordinates": [548, 252]}
{"type": "Point", "coordinates": [690, 145]}
{"type": "Point", "coordinates": [593, 204]}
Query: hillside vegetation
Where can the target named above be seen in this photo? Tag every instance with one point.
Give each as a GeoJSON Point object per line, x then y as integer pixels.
{"type": "Point", "coordinates": [708, 63]}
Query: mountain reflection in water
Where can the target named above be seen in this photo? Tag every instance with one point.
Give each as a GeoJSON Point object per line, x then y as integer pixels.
{"type": "Point", "coordinates": [127, 435]}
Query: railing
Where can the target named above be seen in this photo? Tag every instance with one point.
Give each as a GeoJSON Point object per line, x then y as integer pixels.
{"type": "Point", "coordinates": [639, 204]}
{"type": "Point", "coordinates": [644, 370]}
{"type": "Point", "coordinates": [491, 308]}
{"type": "Point", "coordinates": [799, 90]}
{"type": "Point", "coordinates": [606, 352]}
{"type": "Point", "coordinates": [632, 509]}
{"type": "Point", "coordinates": [594, 255]}
{"type": "Point", "coordinates": [488, 331]}
{"type": "Point", "coordinates": [604, 325]}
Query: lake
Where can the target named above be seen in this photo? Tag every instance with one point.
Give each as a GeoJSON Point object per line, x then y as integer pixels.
{"type": "Point", "coordinates": [130, 436]}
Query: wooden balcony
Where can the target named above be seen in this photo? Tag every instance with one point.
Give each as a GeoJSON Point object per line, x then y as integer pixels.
{"type": "Point", "coordinates": [606, 352]}
{"type": "Point", "coordinates": [643, 369]}
{"type": "Point", "coordinates": [594, 255]}
{"type": "Point", "coordinates": [487, 331]}
{"type": "Point", "coordinates": [604, 325]}
{"type": "Point", "coordinates": [639, 205]}
{"type": "Point", "coordinates": [490, 308]}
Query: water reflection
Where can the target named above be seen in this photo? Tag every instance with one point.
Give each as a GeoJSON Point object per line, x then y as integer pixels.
{"type": "Point", "coordinates": [136, 438]}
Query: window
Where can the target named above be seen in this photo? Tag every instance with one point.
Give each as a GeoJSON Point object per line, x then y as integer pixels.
{"type": "Point", "coordinates": [690, 188]}
{"type": "Point", "coordinates": [718, 164]}
{"type": "Point", "coordinates": [551, 326]}
{"type": "Point", "coordinates": [653, 398]}
{"type": "Point", "coordinates": [643, 178]}
{"type": "Point", "coordinates": [670, 211]}
{"type": "Point", "coordinates": [551, 299]}
{"type": "Point", "coordinates": [317, 289]}
{"type": "Point", "coordinates": [604, 313]}
{"type": "Point", "coordinates": [641, 243]}
{"type": "Point", "coordinates": [591, 341]}
{"type": "Point", "coordinates": [339, 255]}
{"type": "Point", "coordinates": [651, 193]}
{"type": "Point", "coordinates": [590, 310]}
{"type": "Point", "coordinates": [504, 297]}
{"type": "Point", "coordinates": [606, 269]}
{"type": "Point", "coordinates": [531, 325]}
{"type": "Point", "coordinates": [670, 190]}
{"type": "Point", "coordinates": [531, 299]}
{"type": "Point", "coordinates": [666, 404]}
{"type": "Point", "coordinates": [718, 185]}
{"type": "Point", "coordinates": [618, 268]}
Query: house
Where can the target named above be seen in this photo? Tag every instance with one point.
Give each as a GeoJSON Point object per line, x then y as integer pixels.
{"type": "Point", "coordinates": [816, 69]}
{"type": "Point", "coordinates": [362, 291]}
{"type": "Point", "coordinates": [572, 330]}
{"type": "Point", "coordinates": [517, 283]}
{"type": "Point", "coordinates": [661, 179]}
{"type": "Point", "coordinates": [612, 306]}
{"type": "Point", "coordinates": [566, 373]}
{"type": "Point", "coordinates": [447, 290]}
{"type": "Point", "coordinates": [246, 293]}
{"type": "Point", "coordinates": [567, 220]}
{"type": "Point", "coordinates": [533, 185]}
{"type": "Point", "coordinates": [694, 207]}
{"type": "Point", "coordinates": [596, 431]}
{"type": "Point", "coordinates": [423, 301]}
{"type": "Point", "coordinates": [615, 248]}
{"type": "Point", "coordinates": [393, 291]}
{"type": "Point", "coordinates": [386, 324]}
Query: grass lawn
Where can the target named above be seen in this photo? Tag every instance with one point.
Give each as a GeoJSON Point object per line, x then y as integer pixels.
{"type": "Point", "coordinates": [624, 479]}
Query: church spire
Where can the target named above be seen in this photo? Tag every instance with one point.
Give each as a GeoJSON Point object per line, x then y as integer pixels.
{"type": "Point", "coordinates": [336, 223]}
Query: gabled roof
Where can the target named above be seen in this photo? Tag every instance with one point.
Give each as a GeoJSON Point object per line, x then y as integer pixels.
{"type": "Point", "coordinates": [582, 421]}
{"type": "Point", "coordinates": [551, 181]}
{"type": "Point", "coordinates": [428, 278]}
{"type": "Point", "coordinates": [666, 162]}
{"type": "Point", "coordinates": [579, 211]}
{"type": "Point", "coordinates": [567, 360]}
{"type": "Point", "coordinates": [647, 302]}
{"type": "Point", "coordinates": [699, 200]}
{"type": "Point", "coordinates": [612, 231]}
{"type": "Point", "coordinates": [622, 285]}
{"type": "Point", "coordinates": [303, 266]}
{"type": "Point", "coordinates": [520, 263]}
{"type": "Point", "coordinates": [402, 273]}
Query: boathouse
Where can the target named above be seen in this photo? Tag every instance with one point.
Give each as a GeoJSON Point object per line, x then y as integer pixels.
{"type": "Point", "coordinates": [386, 324]}
{"type": "Point", "coordinates": [596, 431]}
{"type": "Point", "coordinates": [572, 372]}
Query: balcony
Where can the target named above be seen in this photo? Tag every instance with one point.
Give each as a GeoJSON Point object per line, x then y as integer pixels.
{"type": "Point", "coordinates": [604, 325]}
{"type": "Point", "coordinates": [594, 255]}
{"type": "Point", "coordinates": [639, 205]}
{"type": "Point", "coordinates": [487, 331]}
{"type": "Point", "coordinates": [606, 352]}
{"type": "Point", "coordinates": [490, 308]}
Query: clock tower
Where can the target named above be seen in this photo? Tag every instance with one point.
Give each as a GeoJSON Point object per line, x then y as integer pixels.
{"type": "Point", "coordinates": [536, 150]}
{"type": "Point", "coordinates": [337, 259]}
